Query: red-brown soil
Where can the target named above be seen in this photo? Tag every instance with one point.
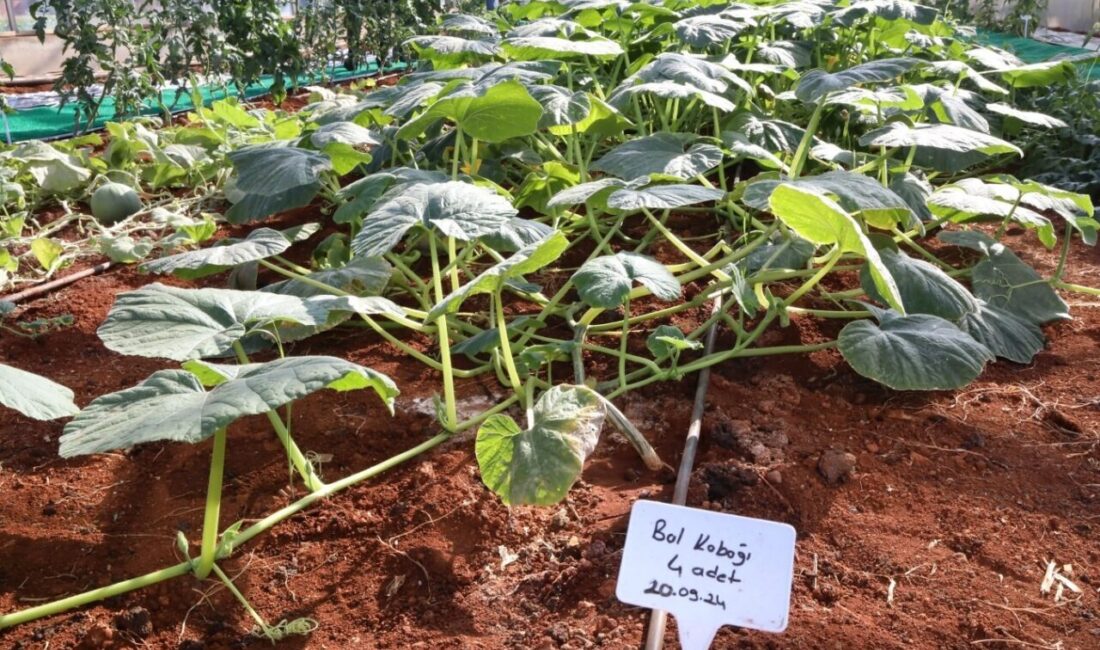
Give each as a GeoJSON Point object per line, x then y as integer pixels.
{"type": "Point", "coordinates": [940, 538]}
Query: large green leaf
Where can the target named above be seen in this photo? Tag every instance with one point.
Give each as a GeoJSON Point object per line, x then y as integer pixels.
{"type": "Point", "coordinates": [817, 218]}
{"type": "Point", "coordinates": [887, 10]}
{"type": "Point", "coordinates": [179, 324]}
{"type": "Point", "coordinates": [34, 396]}
{"type": "Point", "coordinates": [688, 70]}
{"type": "Point", "coordinates": [704, 31]}
{"type": "Point", "coordinates": [535, 48]}
{"type": "Point", "coordinates": [454, 209]}
{"type": "Point", "coordinates": [1005, 334]}
{"type": "Point", "coordinates": [673, 154]}
{"type": "Point", "coordinates": [587, 191]}
{"type": "Point", "coordinates": [971, 198]}
{"type": "Point", "coordinates": [1046, 73]}
{"type": "Point", "coordinates": [816, 84]}
{"type": "Point", "coordinates": [671, 90]}
{"type": "Point", "coordinates": [1005, 281]}
{"type": "Point", "coordinates": [493, 114]}
{"type": "Point", "coordinates": [451, 51]}
{"type": "Point", "coordinates": [856, 193]}
{"type": "Point", "coordinates": [606, 281]}
{"type": "Point", "coordinates": [938, 137]}
{"type": "Point", "coordinates": [924, 287]}
{"type": "Point", "coordinates": [272, 178]}
{"type": "Point", "coordinates": [560, 106]}
{"type": "Point", "coordinates": [526, 260]}
{"type": "Point", "coordinates": [663, 197]}
{"type": "Point", "coordinates": [537, 466]}
{"type": "Point", "coordinates": [914, 352]}
{"type": "Point", "coordinates": [174, 405]}
{"type": "Point", "coordinates": [261, 243]}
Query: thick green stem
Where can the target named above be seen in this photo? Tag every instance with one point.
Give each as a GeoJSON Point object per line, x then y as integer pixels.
{"type": "Point", "coordinates": [506, 345]}
{"type": "Point", "coordinates": [212, 514]}
{"type": "Point", "coordinates": [444, 341]}
{"type": "Point", "coordinates": [304, 467]}
{"type": "Point", "coordinates": [803, 151]}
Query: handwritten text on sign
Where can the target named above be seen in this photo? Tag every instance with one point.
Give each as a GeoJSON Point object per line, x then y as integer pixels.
{"type": "Point", "coordinates": [707, 569]}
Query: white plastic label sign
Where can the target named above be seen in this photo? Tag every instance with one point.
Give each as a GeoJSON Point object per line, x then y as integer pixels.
{"type": "Point", "coordinates": [708, 569]}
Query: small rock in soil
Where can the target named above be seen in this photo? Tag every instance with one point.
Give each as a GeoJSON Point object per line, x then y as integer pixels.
{"type": "Point", "coordinates": [135, 621]}
{"type": "Point", "coordinates": [774, 477]}
{"type": "Point", "coordinates": [836, 465]}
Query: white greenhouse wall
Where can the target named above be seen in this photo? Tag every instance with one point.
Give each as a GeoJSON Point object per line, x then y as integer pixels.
{"type": "Point", "coordinates": [1074, 15]}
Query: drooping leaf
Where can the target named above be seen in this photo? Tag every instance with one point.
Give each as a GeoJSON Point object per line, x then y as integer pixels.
{"type": "Point", "coordinates": [180, 324]}
{"type": "Point", "coordinates": [1027, 117]}
{"type": "Point", "coordinates": [261, 243]}
{"type": "Point", "coordinates": [584, 192]}
{"type": "Point", "coordinates": [942, 147]}
{"type": "Point", "coordinates": [816, 84]}
{"type": "Point", "coordinates": [1004, 333]}
{"type": "Point", "coordinates": [492, 114]}
{"type": "Point", "coordinates": [671, 90]}
{"type": "Point", "coordinates": [605, 282]}
{"type": "Point", "coordinates": [663, 197]}
{"type": "Point", "coordinates": [856, 193]}
{"type": "Point", "coordinates": [55, 171]}
{"type": "Point", "coordinates": [535, 48]}
{"type": "Point", "coordinates": [924, 287]}
{"type": "Point", "coordinates": [272, 178]}
{"type": "Point", "coordinates": [173, 404]}
{"type": "Point", "coordinates": [34, 396]}
{"type": "Point", "coordinates": [451, 51]}
{"type": "Point", "coordinates": [705, 31]}
{"type": "Point", "coordinates": [673, 154]}
{"type": "Point", "coordinates": [537, 466]}
{"type": "Point", "coordinates": [819, 219]}
{"type": "Point", "coordinates": [526, 260]}
{"type": "Point", "coordinates": [914, 352]}
{"type": "Point", "coordinates": [944, 137]}
{"type": "Point", "coordinates": [890, 10]}
{"type": "Point", "coordinates": [516, 234]}
{"type": "Point", "coordinates": [972, 198]}
{"type": "Point", "coordinates": [1005, 281]}
{"type": "Point", "coordinates": [454, 209]}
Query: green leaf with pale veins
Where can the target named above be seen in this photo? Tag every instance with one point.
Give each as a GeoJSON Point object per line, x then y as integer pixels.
{"type": "Point", "coordinates": [260, 244]}
{"type": "Point", "coordinates": [452, 209]}
{"type": "Point", "coordinates": [605, 282]}
{"type": "Point", "coordinates": [816, 84]}
{"type": "Point", "coordinates": [537, 466]}
{"type": "Point", "coordinates": [173, 405]}
{"type": "Point", "coordinates": [179, 324]}
{"type": "Point", "coordinates": [1005, 334]}
{"type": "Point", "coordinates": [273, 178]}
{"type": "Point", "coordinates": [914, 352]}
{"type": "Point", "coordinates": [674, 154]}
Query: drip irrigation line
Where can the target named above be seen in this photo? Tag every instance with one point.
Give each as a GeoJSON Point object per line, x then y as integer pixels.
{"type": "Point", "coordinates": [48, 287]}
{"type": "Point", "coordinates": [658, 620]}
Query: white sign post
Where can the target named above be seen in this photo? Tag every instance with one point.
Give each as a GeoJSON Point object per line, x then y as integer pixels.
{"type": "Point", "coordinates": [708, 569]}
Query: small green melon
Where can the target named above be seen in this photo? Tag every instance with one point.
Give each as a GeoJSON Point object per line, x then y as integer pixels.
{"type": "Point", "coordinates": [113, 202]}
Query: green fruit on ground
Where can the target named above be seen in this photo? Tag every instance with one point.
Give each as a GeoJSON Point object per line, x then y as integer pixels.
{"type": "Point", "coordinates": [113, 202]}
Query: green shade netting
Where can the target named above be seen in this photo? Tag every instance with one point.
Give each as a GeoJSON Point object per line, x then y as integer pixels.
{"type": "Point", "coordinates": [1030, 50]}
